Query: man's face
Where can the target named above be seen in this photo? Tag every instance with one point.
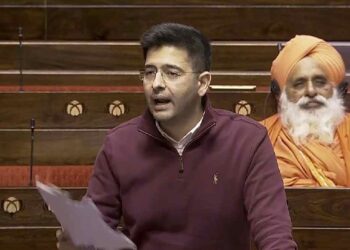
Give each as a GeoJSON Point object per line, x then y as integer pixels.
{"type": "Point", "coordinates": [308, 79]}
{"type": "Point", "coordinates": [173, 95]}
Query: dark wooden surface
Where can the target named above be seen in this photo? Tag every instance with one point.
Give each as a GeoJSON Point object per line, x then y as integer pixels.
{"type": "Point", "coordinates": [44, 238]}
{"type": "Point", "coordinates": [49, 109]}
{"type": "Point", "coordinates": [322, 239]}
{"type": "Point", "coordinates": [234, 56]}
{"type": "Point", "coordinates": [319, 207]}
{"type": "Point", "coordinates": [309, 208]}
{"type": "Point", "coordinates": [232, 22]}
{"type": "Point", "coordinates": [51, 147]}
{"type": "Point", "coordinates": [322, 222]}
{"type": "Point", "coordinates": [23, 238]}
{"type": "Point", "coordinates": [117, 63]}
{"type": "Point", "coordinates": [62, 139]}
{"type": "Point", "coordinates": [32, 20]}
{"type": "Point", "coordinates": [69, 79]}
{"type": "Point", "coordinates": [83, 135]}
{"type": "Point", "coordinates": [33, 212]}
{"type": "Point", "coordinates": [119, 56]}
{"type": "Point", "coordinates": [173, 2]}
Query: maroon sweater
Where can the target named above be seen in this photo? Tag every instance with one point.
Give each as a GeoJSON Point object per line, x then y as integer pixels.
{"type": "Point", "coordinates": [230, 187]}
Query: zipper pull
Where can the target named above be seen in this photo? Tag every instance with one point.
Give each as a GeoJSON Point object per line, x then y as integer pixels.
{"type": "Point", "coordinates": [181, 170]}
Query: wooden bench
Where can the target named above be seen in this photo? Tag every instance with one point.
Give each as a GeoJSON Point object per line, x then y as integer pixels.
{"type": "Point", "coordinates": [320, 219]}
{"type": "Point", "coordinates": [219, 20]}
{"type": "Point", "coordinates": [62, 138]}
{"type": "Point", "coordinates": [117, 63]}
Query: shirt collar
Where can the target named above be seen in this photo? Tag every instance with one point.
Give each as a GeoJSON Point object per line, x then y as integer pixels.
{"type": "Point", "coordinates": [181, 144]}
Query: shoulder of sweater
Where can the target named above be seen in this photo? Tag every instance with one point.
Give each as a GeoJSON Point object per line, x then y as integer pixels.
{"type": "Point", "coordinates": [130, 124]}
{"type": "Point", "coordinates": [239, 119]}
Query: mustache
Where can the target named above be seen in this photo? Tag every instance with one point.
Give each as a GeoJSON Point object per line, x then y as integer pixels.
{"type": "Point", "coordinates": [304, 100]}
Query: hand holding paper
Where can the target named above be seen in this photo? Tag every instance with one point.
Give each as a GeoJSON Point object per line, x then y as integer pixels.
{"type": "Point", "coordinates": [83, 221]}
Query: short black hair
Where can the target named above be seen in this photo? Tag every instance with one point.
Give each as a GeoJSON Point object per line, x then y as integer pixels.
{"type": "Point", "coordinates": [181, 36]}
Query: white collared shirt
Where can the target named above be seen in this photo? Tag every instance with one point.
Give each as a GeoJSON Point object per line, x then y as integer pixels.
{"type": "Point", "coordinates": [181, 144]}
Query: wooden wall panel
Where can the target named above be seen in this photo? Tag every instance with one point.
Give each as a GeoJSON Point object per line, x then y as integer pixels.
{"type": "Point", "coordinates": [55, 79]}
{"type": "Point", "coordinates": [33, 210]}
{"type": "Point", "coordinates": [117, 64]}
{"type": "Point", "coordinates": [169, 2]}
{"type": "Point", "coordinates": [235, 56]}
{"type": "Point", "coordinates": [98, 80]}
{"type": "Point", "coordinates": [32, 21]}
{"type": "Point", "coordinates": [44, 239]}
{"type": "Point", "coordinates": [322, 239]}
{"type": "Point", "coordinates": [34, 226]}
{"type": "Point", "coordinates": [20, 3]}
{"type": "Point", "coordinates": [309, 208]}
{"type": "Point", "coordinates": [319, 207]}
{"type": "Point", "coordinates": [232, 22]}
{"type": "Point", "coordinates": [51, 147]}
{"type": "Point", "coordinates": [63, 141]}
{"type": "Point", "coordinates": [24, 238]}
{"type": "Point", "coordinates": [49, 109]}
{"type": "Point", "coordinates": [118, 56]}
{"type": "Point", "coordinates": [198, 2]}
{"type": "Point", "coordinates": [117, 81]}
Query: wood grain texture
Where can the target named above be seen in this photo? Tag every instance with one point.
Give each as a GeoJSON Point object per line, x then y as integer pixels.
{"type": "Point", "coordinates": [52, 147]}
{"type": "Point", "coordinates": [49, 109]}
{"type": "Point", "coordinates": [319, 207]}
{"type": "Point", "coordinates": [28, 238]}
{"type": "Point", "coordinates": [322, 238]}
{"type": "Point", "coordinates": [34, 227]}
{"type": "Point", "coordinates": [168, 2]}
{"type": "Point", "coordinates": [93, 81]}
{"type": "Point", "coordinates": [125, 23]}
{"type": "Point", "coordinates": [64, 140]}
{"type": "Point", "coordinates": [56, 79]}
{"type": "Point", "coordinates": [119, 56]}
{"type": "Point", "coordinates": [231, 23]}
{"type": "Point", "coordinates": [309, 208]}
{"type": "Point", "coordinates": [32, 21]}
{"type": "Point", "coordinates": [198, 2]}
{"type": "Point", "coordinates": [235, 56]}
{"type": "Point", "coordinates": [33, 211]}
{"type": "Point", "coordinates": [71, 80]}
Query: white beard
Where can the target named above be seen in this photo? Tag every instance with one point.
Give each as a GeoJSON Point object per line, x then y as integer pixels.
{"type": "Point", "coordinates": [318, 123]}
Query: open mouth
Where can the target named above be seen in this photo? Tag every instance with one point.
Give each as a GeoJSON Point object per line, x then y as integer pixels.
{"type": "Point", "coordinates": [161, 101]}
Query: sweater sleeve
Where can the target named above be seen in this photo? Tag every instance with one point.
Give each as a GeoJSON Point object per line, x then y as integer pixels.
{"type": "Point", "coordinates": [104, 188]}
{"type": "Point", "coordinates": [265, 200]}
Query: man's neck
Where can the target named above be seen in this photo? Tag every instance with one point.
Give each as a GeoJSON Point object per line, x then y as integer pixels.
{"type": "Point", "coordinates": [178, 129]}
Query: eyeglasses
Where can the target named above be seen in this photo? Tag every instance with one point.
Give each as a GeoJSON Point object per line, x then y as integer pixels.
{"type": "Point", "coordinates": [170, 75]}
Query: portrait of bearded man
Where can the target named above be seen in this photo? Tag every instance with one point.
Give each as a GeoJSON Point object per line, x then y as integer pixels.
{"type": "Point", "coordinates": [310, 132]}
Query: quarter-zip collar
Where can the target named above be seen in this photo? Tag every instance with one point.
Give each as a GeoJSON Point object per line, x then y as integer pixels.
{"type": "Point", "coordinates": [180, 144]}
{"type": "Point", "coordinates": [147, 123]}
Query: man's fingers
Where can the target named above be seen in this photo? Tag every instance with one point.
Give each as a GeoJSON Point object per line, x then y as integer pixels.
{"type": "Point", "coordinates": [59, 234]}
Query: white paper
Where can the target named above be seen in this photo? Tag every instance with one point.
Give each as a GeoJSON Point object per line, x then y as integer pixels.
{"type": "Point", "coordinates": [83, 221]}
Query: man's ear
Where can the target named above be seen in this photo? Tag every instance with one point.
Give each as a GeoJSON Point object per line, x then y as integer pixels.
{"type": "Point", "coordinates": [275, 89]}
{"type": "Point", "coordinates": [204, 81]}
{"type": "Point", "coordinates": [343, 88]}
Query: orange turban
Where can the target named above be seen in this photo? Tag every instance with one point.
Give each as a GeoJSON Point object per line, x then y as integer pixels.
{"type": "Point", "coordinates": [302, 46]}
